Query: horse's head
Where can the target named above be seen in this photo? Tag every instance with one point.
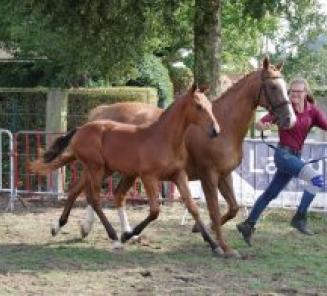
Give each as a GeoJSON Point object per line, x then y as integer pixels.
{"type": "Point", "coordinates": [273, 95]}
{"type": "Point", "coordinates": [199, 110]}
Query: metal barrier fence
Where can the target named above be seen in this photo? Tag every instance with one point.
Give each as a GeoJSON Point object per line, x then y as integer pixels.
{"type": "Point", "coordinates": [7, 164]}
{"type": "Point", "coordinates": [250, 178]}
{"type": "Point", "coordinates": [25, 146]}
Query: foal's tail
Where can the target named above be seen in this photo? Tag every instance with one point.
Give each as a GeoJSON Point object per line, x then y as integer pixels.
{"type": "Point", "coordinates": [40, 167]}
{"type": "Point", "coordinates": [58, 146]}
{"type": "Point", "coordinates": [54, 158]}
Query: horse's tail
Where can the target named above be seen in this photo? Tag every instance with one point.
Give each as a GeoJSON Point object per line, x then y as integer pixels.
{"type": "Point", "coordinates": [41, 167]}
{"type": "Point", "coordinates": [54, 158]}
{"type": "Point", "coordinates": [58, 146]}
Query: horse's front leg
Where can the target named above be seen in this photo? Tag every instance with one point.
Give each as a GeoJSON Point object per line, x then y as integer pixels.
{"type": "Point", "coordinates": [151, 189]}
{"type": "Point", "coordinates": [226, 188]}
{"type": "Point", "coordinates": [181, 181]}
{"type": "Point", "coordinates": [209, 185]}
{"type": "Point", "coordinates": [73, 193]}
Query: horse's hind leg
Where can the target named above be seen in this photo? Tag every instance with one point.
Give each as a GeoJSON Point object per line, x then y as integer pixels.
{"type": "Point", "coordinates": [93, 189]}
{"type": "Point", "coordinates": [74, 192]}
{"type": "Point", "coordinates": [151, 188]}
{"type": "Point", "coordinates": [182, 185]}
{"type": "Point", "coordinates": [120, 198]}
{"type": "Point", "coordinates": [209, 184]}
{"type": "Point", "coordinates": [225, 186]}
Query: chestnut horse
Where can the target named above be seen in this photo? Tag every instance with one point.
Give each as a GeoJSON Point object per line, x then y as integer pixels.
{"type": "Point", "coordinates": [211, 162]}
{"type": "Point", "coordinates": [155, 152]}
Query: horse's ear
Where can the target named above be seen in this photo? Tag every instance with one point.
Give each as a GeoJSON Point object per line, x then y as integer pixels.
{"type": "Point", "coordinates": [266, 63]}
{"type": "Point", "coordinates": [204, 88]}
{"type": "Point", "coordinates": [279, 66]}
{"type": "Point", "coordinates": [194, 87]}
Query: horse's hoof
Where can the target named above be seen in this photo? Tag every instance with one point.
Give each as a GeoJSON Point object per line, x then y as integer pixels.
{"type": "Point", "coordinates": [117, 245]}
{"type": "Point", "coordinates": [136, 239]}
{"type": "Point", "coordinates": [218, 252]}
{"type": "Point", "coordinates": [232, 254]}
{"type": "Point", "coordinates": [54, 228]}
{"type": "Point", "coordinates": [126, 236]}
{"type": "Point", "coordinates": [53, 231]}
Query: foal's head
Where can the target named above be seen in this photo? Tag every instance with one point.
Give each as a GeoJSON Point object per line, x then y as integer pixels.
{"type": "Point", "coordinates": [273, 95]}
{"type": "Point", "coordinates": [199, 111]}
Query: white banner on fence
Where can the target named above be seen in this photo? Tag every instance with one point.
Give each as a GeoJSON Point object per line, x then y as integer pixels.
{"type": "Point", "coordinates": [257, 169]}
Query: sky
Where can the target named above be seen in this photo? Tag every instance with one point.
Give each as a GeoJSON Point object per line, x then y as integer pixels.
{"type": "Point", "coordinates": [323, 4]}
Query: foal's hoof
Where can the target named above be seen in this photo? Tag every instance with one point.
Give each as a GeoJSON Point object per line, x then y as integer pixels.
{"type": "Point", "coordinates": [126, 236]}
{"type": "Point", "coordinates": [136, 239]}
{"type": "Point", "coordinates": [117, 245]}
{"type": "Point", "coordinates": [232, 254]}
{"type": "Point", "coordinates": [54, 228]}
{"type": "Point", "coordinates": [84, 230]}
{"type": "Point", "coordinates": [218, 252]}
{"type": "Point", "coordinates": [53, 231]}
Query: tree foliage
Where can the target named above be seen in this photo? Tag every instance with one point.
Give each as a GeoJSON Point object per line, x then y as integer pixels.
{"type": "Point", "coordinates": [302, 42]}
{"type": "Point", "coordinates": [88, 36]}
{"type": "Point", "coordinates": [106, 39]}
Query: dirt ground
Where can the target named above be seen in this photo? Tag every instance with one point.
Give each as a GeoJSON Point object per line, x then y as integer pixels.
{"type": "Point", "coordinates": [168, 260]}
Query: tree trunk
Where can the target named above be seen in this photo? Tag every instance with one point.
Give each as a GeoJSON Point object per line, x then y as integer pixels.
{"type": "Point", "coordinates": [207, 44]}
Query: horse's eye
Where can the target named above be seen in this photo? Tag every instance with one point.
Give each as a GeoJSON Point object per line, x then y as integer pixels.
{"type": "Point", "coordinates": [273, 87]}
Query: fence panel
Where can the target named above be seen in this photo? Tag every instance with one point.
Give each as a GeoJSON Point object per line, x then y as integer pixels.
{"type": "Point", "coordinates": [6, 161]}
{"type": "Point", "coordinates": [250, 178]}
{"type": "Point", "coordinates": [7, 165]}
{"type": "Point", "coordinates": [28, 145]}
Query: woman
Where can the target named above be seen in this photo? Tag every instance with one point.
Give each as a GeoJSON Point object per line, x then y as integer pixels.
{"type": "Point", "coordinates": [288, 159]}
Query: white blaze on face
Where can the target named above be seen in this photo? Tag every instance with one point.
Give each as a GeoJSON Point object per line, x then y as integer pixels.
{"type": "Point", "coordinates": [283, 87]}
{"type": "Point", "coordinates": [207, 105]}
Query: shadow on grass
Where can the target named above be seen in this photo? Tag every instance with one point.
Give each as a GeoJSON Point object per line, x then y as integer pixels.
{"type": "Point", "coordinates": [76, 255]}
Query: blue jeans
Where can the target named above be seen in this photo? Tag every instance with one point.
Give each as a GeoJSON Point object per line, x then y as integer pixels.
{"type": "Point", "coordinates": [288, 166]}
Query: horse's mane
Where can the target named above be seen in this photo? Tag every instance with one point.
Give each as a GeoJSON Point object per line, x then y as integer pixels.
{"type": "Point", "coordinates": [235, 86]}
{"type": "Point", "coordinates": [167, 110]}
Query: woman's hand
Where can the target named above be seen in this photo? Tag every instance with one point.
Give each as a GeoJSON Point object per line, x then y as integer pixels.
{"type": "Point", "coordinates": [261, 126]}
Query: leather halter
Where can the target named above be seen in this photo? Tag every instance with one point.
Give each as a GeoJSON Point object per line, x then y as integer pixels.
{"type": "Point", "coordinates": [263, 87]}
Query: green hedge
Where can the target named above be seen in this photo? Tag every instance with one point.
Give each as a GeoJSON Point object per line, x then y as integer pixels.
{"type": "Point", "coordinates": [320, 92]}
{"type": "Point", "coordinates": [152, 72]}
{"type": "Point", "coordinates": [181, 77]}
{"type": "Point", "coordinates": [25, 108]}
{"type": "Point", "coordinates": [22, 109]}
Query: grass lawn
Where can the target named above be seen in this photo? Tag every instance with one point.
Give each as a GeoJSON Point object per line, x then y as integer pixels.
{"type": "Point", "coordinates": [169, 260]}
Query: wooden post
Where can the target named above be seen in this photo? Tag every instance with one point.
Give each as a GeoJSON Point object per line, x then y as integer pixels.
{"type": "Point", "coordinates": [56, 122]}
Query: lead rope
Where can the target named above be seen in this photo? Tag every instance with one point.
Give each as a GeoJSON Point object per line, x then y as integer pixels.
{"type": "Point", "coordinates": [263, 137]}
